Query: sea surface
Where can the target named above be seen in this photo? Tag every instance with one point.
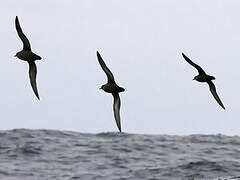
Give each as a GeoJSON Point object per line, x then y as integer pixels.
{"type": "Point", "coordinates": [64, 155]}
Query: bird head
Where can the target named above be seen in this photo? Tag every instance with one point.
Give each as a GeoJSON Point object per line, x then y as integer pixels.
{"type": "Point", "coordinates": [212, 78]}
{"type": "Point", "coordinates": [101, 87]}
{"type": "Point", "coordinates": [16, 55]}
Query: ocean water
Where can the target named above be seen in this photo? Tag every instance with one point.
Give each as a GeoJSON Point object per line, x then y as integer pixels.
{"type": "Point", "coordinates": [63, 155]}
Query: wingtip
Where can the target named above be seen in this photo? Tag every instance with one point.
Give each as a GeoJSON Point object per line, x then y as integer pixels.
{"type": "Point", "coordinates": [17, 23]}
{"type": "Point", "coordinates": [98, 54]}
{"type": "Point", "coordinates": [119, 127]}
{"type": "Point", "coordinates": [37, 96]}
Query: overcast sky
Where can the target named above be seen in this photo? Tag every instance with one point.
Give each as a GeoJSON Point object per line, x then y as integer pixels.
{"type": "Point", "coordinates": [141, 42]}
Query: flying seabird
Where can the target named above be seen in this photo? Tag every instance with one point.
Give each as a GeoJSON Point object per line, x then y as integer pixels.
{"type": "Point", "coordinates": [27, 55]}
{"type": "Point", "coordinates": [203, 77]}
{"type": "Point", "coordinates": [113, 88]}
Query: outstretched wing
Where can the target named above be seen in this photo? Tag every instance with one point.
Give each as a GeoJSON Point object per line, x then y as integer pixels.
{"type": "Point", "coordinates": [26, 44]}
{"type": "Point", "coordinates": [200, 70]}
{"type": "Point", "coordinates": [116, 109]}
{"type": "Point", "coordinates": [105, 69]}
{"type": "Point", "coordinates": [214, 93]}
{"type": "Point", "coordinates": [32, 76]}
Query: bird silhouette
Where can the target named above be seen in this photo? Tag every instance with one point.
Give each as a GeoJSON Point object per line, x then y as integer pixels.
{"type": "Point", "coordinates": [203, 77]}
{"type": "Point", "coordinates": [113, 88]}
{"type": "Point", "coordinates": [27, 55]}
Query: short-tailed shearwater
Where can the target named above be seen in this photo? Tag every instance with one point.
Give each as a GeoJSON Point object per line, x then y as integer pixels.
{"type": "Point", "coordinates": [203, 77]}
{"type": "Point", "coordinates": [27, 55]}
{"type": "Point", "coordinates": [113, 88]}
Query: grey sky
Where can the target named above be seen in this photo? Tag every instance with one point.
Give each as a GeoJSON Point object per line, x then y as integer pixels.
{"type": "Point", "coordinates": [141, 42]}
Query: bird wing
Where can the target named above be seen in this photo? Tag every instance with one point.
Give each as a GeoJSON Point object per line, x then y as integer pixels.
{"type": "Point", "coordinates": [200, 70]}
{"type": "Point", "coordinates": [32, 76]}
{"type": "Point", "coordinates": [116, 109]}
{"type": "Point", "coordinates": [214, 93]}
{"type": "Point", "coordinates": [26, 44]}
{"type": "Point", "coordinates": [105, 69]}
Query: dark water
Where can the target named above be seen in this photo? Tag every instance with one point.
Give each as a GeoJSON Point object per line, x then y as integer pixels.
{"type": "Point", "coordinates": [62, 155]}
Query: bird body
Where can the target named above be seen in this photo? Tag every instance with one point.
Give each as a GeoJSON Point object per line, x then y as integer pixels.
{"type": "Point", "coordinates": [27, 55]}
{"type": "Point", "coordinates": [114, 89]}
{"type": "Point", "coordinates": [203, 77]}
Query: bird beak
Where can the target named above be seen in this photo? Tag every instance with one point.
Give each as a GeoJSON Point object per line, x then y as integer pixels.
{"type": "Point", "coordinates": [100, 88]}
{"type": "Point", "coordinates": [15, 56]}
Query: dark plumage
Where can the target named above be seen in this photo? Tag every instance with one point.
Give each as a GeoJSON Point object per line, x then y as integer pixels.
{"type": "Point", "coordinates": [113, 88]}
{"type": "Point", "coordinates": [203, 77]}
{"type": "Point", "coordinates": [27, 55]}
